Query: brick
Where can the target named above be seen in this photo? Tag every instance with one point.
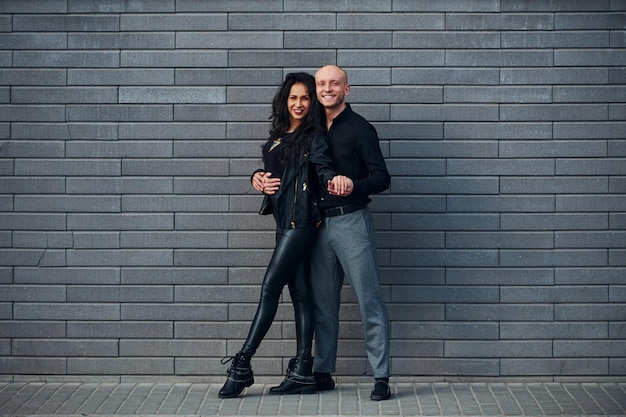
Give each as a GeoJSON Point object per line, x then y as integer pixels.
{"type": "Point", "coordinates": [556, 113]}
{"type": "Point", "coordinates": [445, 222]}
{"type": "Point", "coordinates": [120, 76]}
{"type": "Point", "coordinates": [589, 312]}
{"type": "Point", "coordinates": [500, 203]}
{"type": "Point", "coordinates": [120, 221]}
{"type": "Point", "coordinates": [444, 112]}
{"type": "Point", "coordinates": [498, 348]}
{"type": "Point", "coordinates": [27, 76]}
{"type": "Point", "coordinates": [171, 130]}
{"type": "Point", "coordinates": [497, 130]}
{"type": "Point", "coordinates": [454, 6]}
{"type": "Point", "coordinates": [262, 240]}
{"type": "Point", "coordinates": [499, 58]}
{"type": "Point", "coordinates": [228, 6]}
{"type": "Point", "coordinates": [175, 166]}
{"type": "Point", "coordinates": [32, 329]}
{"type": "Point", "coordinates": [434, 330]}
{"type": "Point", "coordinates": [42, 240]}
{"type": "Point", "coordinates": [447, 185]}
{"type": "Point", "coordinates": [123, 294]}
{"type": "Point", "coordinates": [180, 276]}
{"type": "Point", "coordinates": [591, 203]}
{"type": "Point", "coordinates": [553, 330]}
{"type": "Point", "coordinates": [96, 240]}
{"type": "Point", "coordinates": [69, 23]}
{"type": "Point", "coordinates": [583, 21]}
{"type": "Point", "coordinates": [122, 113]}
{"type": "Point", "coordinates": [404, 58]}
{"type": "Point", "coordinates": [119, 185]}
{"type": "Point", "coordinates": [65, 347]}
{"type": "Point", "coordinates": [561, 221]}
{"type": "Point", "coordinates": [400, 94]}
{"type": "Point", "coordinates": [407, 204]}
{"type": "Point", "coordinates": [447, 258]}
{"type": "Point", "coordinates": [604, 239]}
{"type": "Point", "coordinates": [51, 366]}
{"type": "Point", "coordinates": [205, 185]}
{"type": "Point", "coordinates": [156, 40]}
{"type": "Point", "coordinates": [124, 257]}
{"type": "Point", "coordinates": [554, 76]}
{"type": "Point", "coordinates": [230, 40]}
{"type": "Point", "coordinates": [228, 76]}
{"type": "Point", "coordinates": [617, 294]}
{"type": "Point", "coordinates": [176, 58]}
{"type": "Point", "coordinates": [518, 167]}
{"type": "Point", "coordinates": [556, 39]}
{"type": "Point", "coordinates": [557, 257]}
{"type": "Point", "coordinates": [319, 5]}
{"type": "Point", "coordinates": [553, 366]}
{"type": "Point", "coordinates": [589, 94]}
{"type": "Point", "coordinates": [41, 293]}
{"type": "Point", "coordinates": [172, 95]}
{"type": "Point", "coordinates": [33, 6]}
{"type": "Point", "coordinates": [281, 58]}
{"type": "Point", "coordinates": [338, 39]}
{"type": "Point", "coordinates": [281, 21]}
{"type": "Point", "coordinates": [175, 22]}
{"type": "Point", "coordinates": [587, 348]}
{"type": "Point", "coordinates": [102, 204]}
{"type": "Point", "coordinates": [177, 312]}
{"type": "Point", "coordinates": [119, 149]}
{"type": "Point", "coordinates": [511, 240]}
{"type": "Point", "coordinates": [24, 113]}
{"type": "Point", "coordinates": [558, 6]}
{"type": "Point", "coordinates": [106, 275]}
{"type": "Point", "coordinates": [590, 276]}
{"type": "Point", "coordinates": [220, 113]}
{"type": "Point", "coordinates": [617, 111]}
{"type": "Point", "coordinates": [65, 167]}
{"type": "Point", "coordinates": [416, 167]}
{"type": "Point", "coordinates": [408, 348]}
{"type": "Point", "coordinates": [221, 330]}
{"type": "Point", "coordinates": [119, 329]}
{"type": "Point", "coordinates": [66, 311]}
{"type": "Point", "coordinates": [554, 294]}
{"type": "Point", "coordinates": [174, 204]}
{"type": "Point", "coordinates": [589, 166]}
{"type": "Point", "coordinates": [390, 21]}
{"type": "Point", "coordinates": [218, 257]}
{"type": "Point", "coordinates": [28, 221]}
{"type": "Point", "coordinates": [589, 57]}
{"type": "Point", "coordinates": [561, 148]}
{"type": "Point", "coordinates": [171, 347]}
{"type": "Point", "coordinates": [499, 21]}
{"type": "Point", "coordinates": [63, 59]}
{"type": "Point", "coordinates": [590, 130]}
{"type": "Point", "coordinates": [33, 41]}
{"type": "Point", "coordinates": [116, 366]}
{"type": "Point", "coordinates": [554, 185]}
{"type": "Point", "coordinates": [30, 149]}
{"type": "Point", "coordinates": [499, 312]}
{"type": "Point", "coordinates": [166, 240]}
{"type": "Point", "coordinates": [114, 6]}
{"type": "Point", "coordinates": [445, 76]}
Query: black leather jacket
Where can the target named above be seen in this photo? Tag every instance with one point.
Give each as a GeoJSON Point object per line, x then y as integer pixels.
{"type": "Point", "coordinates": [298, 195]}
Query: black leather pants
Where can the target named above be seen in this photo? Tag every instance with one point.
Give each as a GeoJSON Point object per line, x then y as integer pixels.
{"type": "Point", "coordinates": [289, 265]}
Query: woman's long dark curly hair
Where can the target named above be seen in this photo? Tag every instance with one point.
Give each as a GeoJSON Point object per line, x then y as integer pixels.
{"type": "Point", "coordinates": [300, 139]}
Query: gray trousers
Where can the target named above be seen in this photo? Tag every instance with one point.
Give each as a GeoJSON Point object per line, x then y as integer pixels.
{"type": "Point", "coordinates": [346, 244]}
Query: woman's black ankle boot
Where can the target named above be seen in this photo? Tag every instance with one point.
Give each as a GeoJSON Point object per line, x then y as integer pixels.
{"type": "Point", "coordinates": [299, 378]}
{"type": "Point", "coordinates": [239, 374]}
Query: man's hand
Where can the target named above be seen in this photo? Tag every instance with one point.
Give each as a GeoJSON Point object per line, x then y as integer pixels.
{"type": "Point", "coordinates": [340, 186]}
{"type": "Point", "coordinates": [262, 182]}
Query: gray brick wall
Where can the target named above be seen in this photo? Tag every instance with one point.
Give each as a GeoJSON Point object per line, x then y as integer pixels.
{"type": "Point", "coordinates": [130, 243]}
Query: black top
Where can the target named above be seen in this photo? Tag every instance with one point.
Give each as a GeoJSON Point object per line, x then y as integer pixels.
{"type": "Point", "coordinates": [355, 151]}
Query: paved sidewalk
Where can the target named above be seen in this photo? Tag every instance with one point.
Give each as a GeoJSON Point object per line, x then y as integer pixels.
{"type": "Point", "coordinates": [348, 399]}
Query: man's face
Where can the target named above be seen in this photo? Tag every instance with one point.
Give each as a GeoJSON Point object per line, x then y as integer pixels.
{"type": "Point", "coordinates": [331, 87]}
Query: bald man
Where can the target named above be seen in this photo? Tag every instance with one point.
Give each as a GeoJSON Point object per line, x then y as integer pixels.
{"type": "Point", "coordinates": [346, 244]}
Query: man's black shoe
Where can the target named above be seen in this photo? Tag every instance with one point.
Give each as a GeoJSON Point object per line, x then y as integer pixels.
{"type": "Point", "coordinates": [324, 382]}
{"type": "Point", "coordinates": [381, 391]}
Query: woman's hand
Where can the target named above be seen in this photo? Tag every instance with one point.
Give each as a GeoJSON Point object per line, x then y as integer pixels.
{"type": "Point", "coordinates": [262, 182]}
{"type": "Point", "coordinates": [340, 185]}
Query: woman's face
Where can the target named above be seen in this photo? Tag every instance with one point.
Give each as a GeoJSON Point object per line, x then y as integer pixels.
{"type": "Point", "coordinates": [298, 104]}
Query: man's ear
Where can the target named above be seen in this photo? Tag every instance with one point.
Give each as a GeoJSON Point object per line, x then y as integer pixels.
{"type": "Point", "coordinates": [347, 92]}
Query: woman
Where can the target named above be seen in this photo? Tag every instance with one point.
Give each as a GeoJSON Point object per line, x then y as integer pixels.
{"type": "Point", "coordinates": [294, 157]}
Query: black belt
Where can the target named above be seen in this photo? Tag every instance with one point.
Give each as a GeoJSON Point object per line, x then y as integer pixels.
{"type": "Point", "coordinates": [341, 210]}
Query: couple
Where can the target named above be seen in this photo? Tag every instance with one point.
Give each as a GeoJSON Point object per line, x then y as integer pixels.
{"type": "Point", "coordinates": [319, 173]}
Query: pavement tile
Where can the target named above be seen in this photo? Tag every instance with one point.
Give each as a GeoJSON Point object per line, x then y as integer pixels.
{"type": "Point", "coordinates": [348, 399]}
